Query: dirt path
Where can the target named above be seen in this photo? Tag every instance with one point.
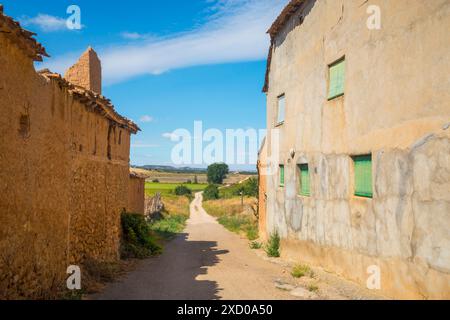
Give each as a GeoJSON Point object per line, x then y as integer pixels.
{"type": "Point", "coordinates": [206, 262]}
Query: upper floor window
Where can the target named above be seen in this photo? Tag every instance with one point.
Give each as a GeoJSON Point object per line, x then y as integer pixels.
{"type": "Point", "coordinates": [337, 79]}
{"type": "Point", "coordinates": [281, 109]}
{"type": "Point", "coordinates": [363, 176]}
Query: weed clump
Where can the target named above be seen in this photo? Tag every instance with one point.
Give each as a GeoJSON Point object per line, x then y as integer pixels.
{"type": "Point", "coordinates": [301, 271]}
{"type": "Point", "coordinates": [255, 245]}
{"type": "Point", "coordinates": [273, 246]}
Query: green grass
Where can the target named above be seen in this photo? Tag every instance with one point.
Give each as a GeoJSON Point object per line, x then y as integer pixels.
{"type": "Point", "coordinates": [170, 226]}
{"type": "Point", "coordinates": [151, 188]}
{"type": "Point", "coordinates": [300, 271]}
{"type": "Point", "coordinates": [240, 224]}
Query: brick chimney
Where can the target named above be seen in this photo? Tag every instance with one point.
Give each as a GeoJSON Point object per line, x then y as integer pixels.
{"type": "Point", "coordinates": [87, 72]}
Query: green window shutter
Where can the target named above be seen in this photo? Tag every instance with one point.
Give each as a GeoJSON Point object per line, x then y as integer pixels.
{"type": "Point", "coordinates": [337, 80]}
{"type": "Point", "coordinates": [363, 176]}
{"type": "Point", "coordinates": [305, 189]}
{"type": "Point", "coordinates": [281, 175]}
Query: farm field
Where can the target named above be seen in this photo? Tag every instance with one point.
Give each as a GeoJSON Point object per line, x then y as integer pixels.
{"type": "Point", "coordinates": [166, 189]}
{"type": "Point", "coordinates": [183, 177]}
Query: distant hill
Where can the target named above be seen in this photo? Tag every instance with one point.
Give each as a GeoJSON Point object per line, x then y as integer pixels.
{"type": "Point", "coordinates": [182, 169]}
{"type": "Point", "coordinates": [171, 169]}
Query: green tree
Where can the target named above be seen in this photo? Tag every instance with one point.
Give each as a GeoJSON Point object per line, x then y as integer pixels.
{"type": "Point", "coordinates": [250, 187]}
{"type": "Point", "coordinates": [217, 172]}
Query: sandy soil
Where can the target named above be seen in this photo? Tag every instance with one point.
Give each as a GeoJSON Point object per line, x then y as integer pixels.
{"type": "Point", "coordinates": [208, 262]}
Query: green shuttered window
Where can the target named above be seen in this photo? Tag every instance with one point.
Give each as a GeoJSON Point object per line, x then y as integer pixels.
{"type": "Point", "coordinates": [363, 176]}
{"type": "Point", "coordinates": [337, 79]}
{"type": "Point", "coordinates": [305, 189]}
{"type": "Point", "coordinates": [282, 175]}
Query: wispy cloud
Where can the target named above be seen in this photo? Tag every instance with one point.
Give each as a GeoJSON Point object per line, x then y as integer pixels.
{"type": "Point", "coordinates": [146, 119]}
{"type": "Point", "coordinates": [45, 22]}
{"type": "Point", "coordinates": [143, 145]}
{"type": "Point", "coordinates": [170, 135]}
{"type": "Point", "coordinates": [138, 36]}
{"type": "Point", "coordinates": [235, 31]}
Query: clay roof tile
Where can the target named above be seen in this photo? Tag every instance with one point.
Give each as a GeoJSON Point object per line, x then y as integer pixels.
{"type": "Point", "coordinates": [21, 37]}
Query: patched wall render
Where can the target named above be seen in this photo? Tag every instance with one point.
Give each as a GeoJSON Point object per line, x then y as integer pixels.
{"type": "Point", "coordinates": [64, 177]}
{"type": "Point", "coordinates": [396, 106]}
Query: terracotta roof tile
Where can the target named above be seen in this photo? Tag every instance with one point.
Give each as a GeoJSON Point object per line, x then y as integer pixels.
{"type": "Point", "coordinates": [92, 100]}
{"type": "Point", "coordinates": [21, 37]}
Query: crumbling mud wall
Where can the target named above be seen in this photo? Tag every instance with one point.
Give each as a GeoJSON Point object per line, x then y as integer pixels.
{"type": "Point", "coordinates": [64, 175]}
{"type": "Point", "coordinates": [136, 192]}
{"type": "Point", "coordinates": [394, 107]}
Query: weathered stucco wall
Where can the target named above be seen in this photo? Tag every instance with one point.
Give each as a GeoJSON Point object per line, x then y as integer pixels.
{"type": "Point", "coordinates": [396, 106]}
{"type": "Point", "coordinates": [136, 194]}
{"type": "Point", "coordinates": [262, 194]}
{"type": "Point", "coordinates": [60, 195]}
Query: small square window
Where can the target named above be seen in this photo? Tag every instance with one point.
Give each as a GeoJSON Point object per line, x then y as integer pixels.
{"type": "Point", "coordinates": [281, 175]}
{"type": "Point", "coordinates": [336, 79]}
{"type": "Point", "coordinates": [305, 188]}
{"type": "Point", "coordinates": [363, 176]}
{"type": "Point", "coordinates": [281, 109]}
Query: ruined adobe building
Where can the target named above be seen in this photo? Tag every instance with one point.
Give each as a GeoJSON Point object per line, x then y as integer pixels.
{"type": "Point", "coordinates": [362, 176]}
{"type": "Point", "coordinates": [64, 159]}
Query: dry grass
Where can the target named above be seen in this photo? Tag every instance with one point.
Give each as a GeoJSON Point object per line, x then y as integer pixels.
{"type": "Point", "coordinates": [300, 271]}
{"type": "Point", "coordinates": [221, 207]}
{"type": "Point", "coordinates": [176, 205]}
{"type": "Point", "coordinates": [233, 216]}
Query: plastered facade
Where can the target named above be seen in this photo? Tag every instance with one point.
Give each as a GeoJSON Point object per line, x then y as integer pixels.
{"type": "Point", "coordinates": [396, 106]}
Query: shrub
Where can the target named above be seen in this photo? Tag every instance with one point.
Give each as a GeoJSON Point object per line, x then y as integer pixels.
{"type": "Point", "coordinates": [155, 181]}
{"type": "Point", "coordinates": [211, 193]}
{"type": "Point", "coordinates": [183, 191]}
{"type": "Point", "coordinates": [136, 237]}
{"type": "Point", "coordinates": [300, 271]}
{"type": "Point", "coordinates": [255, 245]}
{"type": "Point", "coordinates": [273, 245]}
{"type": "Point", "coordinates": [248, 188]}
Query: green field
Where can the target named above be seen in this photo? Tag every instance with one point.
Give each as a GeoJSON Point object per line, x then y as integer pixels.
{"type": "Point", "coordinates": [151, 188]}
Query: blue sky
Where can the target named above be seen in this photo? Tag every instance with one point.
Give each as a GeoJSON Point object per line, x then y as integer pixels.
{"type": "Point", "coordinates": [166, 64]}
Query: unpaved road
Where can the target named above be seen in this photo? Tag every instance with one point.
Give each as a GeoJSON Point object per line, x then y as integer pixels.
{"type": "Point", "coordinates": [206, 262]}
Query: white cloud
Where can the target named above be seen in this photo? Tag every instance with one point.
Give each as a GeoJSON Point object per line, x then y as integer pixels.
{"type": "Point", "coordinates": [45, 22]}
{"type": "Point", "coordinates": [131, 35]}
{"type": "Point", "coordinates": [234, 32]}
{"type": "Point", "coordinates": [146, 119]}
{"type": "Point", "coordinates": [170, 135]}
{"type": "Point", "coordinates": [140, 144]}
